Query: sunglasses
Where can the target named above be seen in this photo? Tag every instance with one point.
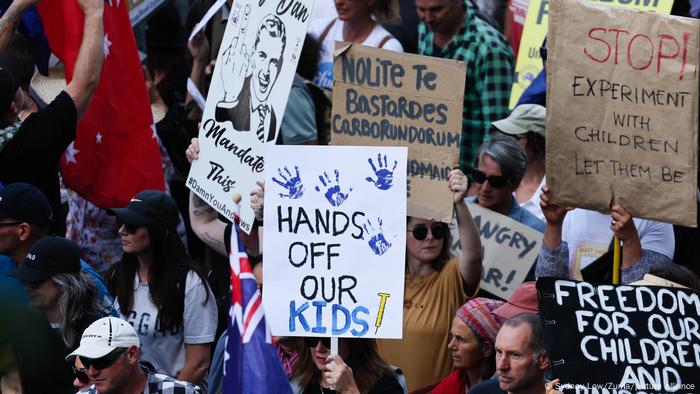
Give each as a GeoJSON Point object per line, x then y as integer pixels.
{"type": "Point", "coordinates": [104, 361]}
{"type": "Point", "coordinates": [420, 232]}
{"type": "Point", "coordinates": [8, 224]}
{"type": "Point", "coordinates": [130, 228]}
{"type": "Point", "coordinates": [313, 341]}
{"type": "Point", "coordinates": [81, 374]}
{"type": "Point", "coordinates": [496, 181]}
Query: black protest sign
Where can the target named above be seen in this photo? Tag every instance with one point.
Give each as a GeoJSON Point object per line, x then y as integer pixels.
{"type": "Point", "coordinates": [621, 339]}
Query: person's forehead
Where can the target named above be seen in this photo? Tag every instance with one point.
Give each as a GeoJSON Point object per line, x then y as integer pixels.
{"type": "Point", "coordinates": [461, 328]}
{"type": "Point", "coordinates": [489, 165]}
{"type": "Point", "coordinates": [513, 338]}
{"type": "Point", "coordinates": [415, 220]}
{"type": "Point", "coordinates": [434, 4]}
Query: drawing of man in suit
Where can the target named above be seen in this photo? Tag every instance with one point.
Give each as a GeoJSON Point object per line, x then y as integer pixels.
{"type": "Point", "coordinates": [245, 94]}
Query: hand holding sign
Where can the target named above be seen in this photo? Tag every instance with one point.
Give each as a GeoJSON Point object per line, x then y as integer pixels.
{"type": "Point", "coordinates": [235, 64]}
{"type": "Point", "coordinates": [385, 177]}
{"type": "Point", "coordinates": [458, 184]}
{"type": "Point", "coordinates": [554, 214]}
{"type": "Point", "coordinates": [339, 375]}
{"type": "Point", "coordinates": [333, 193]}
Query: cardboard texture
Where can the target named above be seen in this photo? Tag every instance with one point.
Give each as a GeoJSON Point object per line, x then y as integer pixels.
{"type": "Point", "coordinates": [510, 249]}
{"type": "Point", "coordinates": [529, 62]}
{"type": "Point", "coordinates": [385, 98]}
{"type": "Point", "coordinates": [622, 110]}
{"type": "Point", "coordinates": [335, 239]}
{"type": "Point", "coordinates": [246, 102]}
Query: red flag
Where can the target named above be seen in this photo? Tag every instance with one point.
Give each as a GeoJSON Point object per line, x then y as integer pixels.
{"type": "Point", "coordinates": [115, 154]}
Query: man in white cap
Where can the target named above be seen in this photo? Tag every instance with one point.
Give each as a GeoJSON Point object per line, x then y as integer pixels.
{"type": "Point", "coordinates": [109, 352]}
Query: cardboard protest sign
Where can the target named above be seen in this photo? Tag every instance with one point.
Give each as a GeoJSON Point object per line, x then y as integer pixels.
{"type": "Point", "coordinates": [335, 236]}
{"type": "Point", "coordinates": [385, 98]}
{"type": "Point", "coordinates": [621, 339]}
{"type": "Point", "coordinates": [622, 111]}
{"type": "Point", "coordinates": [510, 249]}
{"type": "Point", "coordinates": [529, 62]}
{"type": "Point", "coordinates": [246, 101]}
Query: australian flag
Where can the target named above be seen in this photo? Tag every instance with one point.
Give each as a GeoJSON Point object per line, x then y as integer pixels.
{"type": "Point", "coordinates": [251, 364]}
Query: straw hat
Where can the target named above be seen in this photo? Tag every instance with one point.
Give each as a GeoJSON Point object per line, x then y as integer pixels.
{"type": "Point", "coordinates": [45, 89]}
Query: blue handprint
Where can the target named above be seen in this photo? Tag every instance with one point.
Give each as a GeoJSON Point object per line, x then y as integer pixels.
{"type": "Point", "coordinates": [333, 193]}
{"type": "Point", "coordinates": [377, 242]}
{"type": "Point", "coordinates": [292, 183]}
{"type": "Point", "coordinates": [385, 178]}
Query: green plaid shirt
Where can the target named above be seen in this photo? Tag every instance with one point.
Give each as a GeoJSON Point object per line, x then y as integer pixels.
{"type": "Point", "coordinates": [489, 61]}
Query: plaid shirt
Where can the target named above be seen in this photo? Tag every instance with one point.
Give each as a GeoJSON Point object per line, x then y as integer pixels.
{"type": "Point", "coordinates": [489, 78]}
{"type": "Point", "coordinates": [161, 384]}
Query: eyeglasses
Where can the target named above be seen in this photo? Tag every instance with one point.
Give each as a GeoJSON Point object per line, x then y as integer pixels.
{"type": "Point", "coordinates": [8, 224]}
{"type": "Point", "coordinates": [496, 181]}
{"type": "Point", "coordinates": [130, 228]}
{"type": "Point", "coordinates": [420, 232]}
{"type": "Point", "coordinates": [104, 361]}
{"type": "Point", "coordinates": [81, 375]}
{"type": "Point", "coordinates": [313, 341]}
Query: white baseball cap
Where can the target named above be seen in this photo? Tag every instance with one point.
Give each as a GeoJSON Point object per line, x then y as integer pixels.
{"type": "Point", "coordinates": [105, 335]}
{"type": "Point", "coordinates": [523, 119]}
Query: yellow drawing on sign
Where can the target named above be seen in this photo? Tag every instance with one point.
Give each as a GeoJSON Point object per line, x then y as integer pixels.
{"type": "Point", "coordinates": [380, 314]}
{"type": "Point", "coordinates": [529, 62]}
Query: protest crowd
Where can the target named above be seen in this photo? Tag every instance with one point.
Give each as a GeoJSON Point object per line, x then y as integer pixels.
{"type": "Point", "coordinates": [122, 272]}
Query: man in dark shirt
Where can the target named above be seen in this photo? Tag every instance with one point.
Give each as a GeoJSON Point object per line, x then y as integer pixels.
{"type": "Point", "coordinates": [30, 149]}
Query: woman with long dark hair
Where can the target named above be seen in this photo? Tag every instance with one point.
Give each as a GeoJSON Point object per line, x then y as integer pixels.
{"type": "Point", "coordinates": [160, 291]}
{"type": "Point", "coordinates": [357, 368]}
{"type": "Point", "coordinates": [435, 286]}
{"type": "Point", "coordinates": [55, 284]}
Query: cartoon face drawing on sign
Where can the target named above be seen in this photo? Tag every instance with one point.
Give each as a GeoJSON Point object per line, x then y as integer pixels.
{"type": "Point", "coordinates": [247, 86]}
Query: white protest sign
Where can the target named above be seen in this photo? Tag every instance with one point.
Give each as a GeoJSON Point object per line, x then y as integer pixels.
{"type": "Point", "coordinates": [335, 241]}
{"type": "Point", "coordinates": [510, 248]}
{"type": "Point", "coordinates": [246, 101]}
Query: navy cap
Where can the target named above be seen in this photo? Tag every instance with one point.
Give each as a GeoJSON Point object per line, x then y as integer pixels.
{"type": "Point", "coordinates": [25, 203]}
{"type": "Point", "coordinates": [147, 207]}
{"type": "Point", "coordinates": [49, 256]}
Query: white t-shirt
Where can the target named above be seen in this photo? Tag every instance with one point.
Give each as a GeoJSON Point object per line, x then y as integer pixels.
{"type": "Point", "coordinates": [588, 236]}
{"type": "Point", "coordinates": [324, 76]}
{"type": "Point", "coordinates": [166, 350]}
{"type": "Point", "coordinates": [533, 204]}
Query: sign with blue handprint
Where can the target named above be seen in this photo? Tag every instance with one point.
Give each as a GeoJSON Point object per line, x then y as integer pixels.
{"type": "Point", "coordinates": [331, 189]}
{"type": "Point", "coordinates": [291, 183]}
{"type": "Point", "coordinates": [385, 176]}
{"type": "Point", "coordinates": [335, 240]}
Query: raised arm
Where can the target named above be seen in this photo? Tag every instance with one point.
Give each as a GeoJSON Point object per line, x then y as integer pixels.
{"type": "Point", "coordinates": [88, 66]}
{"type": "Point", "coordinates": [205, 222]}
{"type": "Point", "coordinates": [470, 262]}
{"type": "Point", "coordinates": [10, 19]}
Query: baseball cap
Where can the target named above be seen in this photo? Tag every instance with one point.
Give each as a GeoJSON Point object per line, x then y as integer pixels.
{"type": "Point", "coordinates": [25, 203]}
{"type": "Point", "coordinates": [523, 300]}
{"type": "Point", "coordinates": [523, 119]}
{"type": "Point", "coordinates": [147, 207]}
{"type": "Point", "coordinates": [103, 336]}
{"type": "Point", "coordinates": [49, 256]}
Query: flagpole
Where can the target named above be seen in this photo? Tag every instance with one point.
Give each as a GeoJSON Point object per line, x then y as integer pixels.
{"type": "Point", "coordinates": [334, 350]}
{"type": "Point", "coordinates": [616, 261]}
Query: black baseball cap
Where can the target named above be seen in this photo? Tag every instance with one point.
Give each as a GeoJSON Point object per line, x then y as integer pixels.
{"type": "Point", "coordinates": [49, 256]}
{"type": "Point", "coordinates": [147, 207]}
{"type": "Point", "coordinates": [25, 203]}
